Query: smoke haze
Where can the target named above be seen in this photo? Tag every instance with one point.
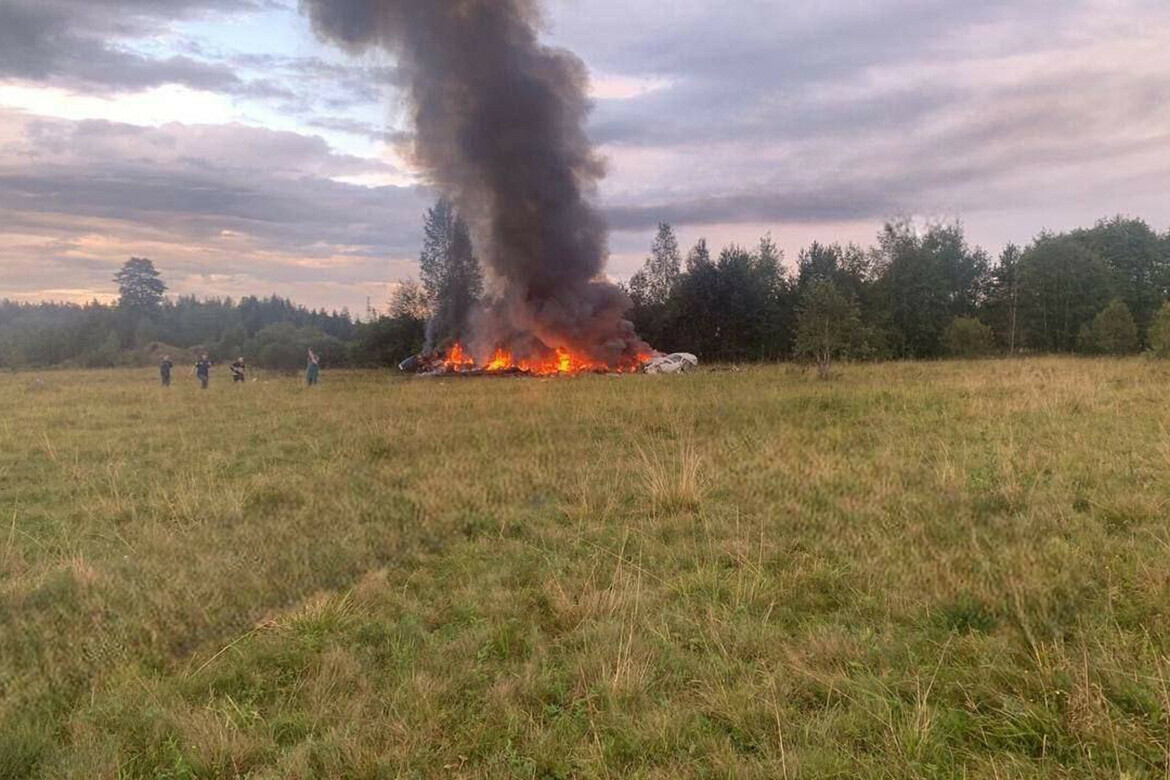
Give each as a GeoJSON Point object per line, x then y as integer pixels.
{"type": "Point", "coordinates": [500, 123]}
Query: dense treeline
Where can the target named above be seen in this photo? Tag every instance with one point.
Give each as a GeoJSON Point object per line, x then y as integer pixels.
{"type": "Point", "coordinates": [272, 332]}
{"type": "Point", "coordinates": [914, 294]}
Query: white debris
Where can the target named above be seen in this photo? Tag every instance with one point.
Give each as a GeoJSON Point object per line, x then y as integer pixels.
{"type": "Point", "coordinates": [678, 363]}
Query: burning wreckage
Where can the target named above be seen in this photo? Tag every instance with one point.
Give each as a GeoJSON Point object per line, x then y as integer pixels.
{"type": "Point", "coordinates": [499, 123]}
{"type": "Point", "coordinates": [456, 362]}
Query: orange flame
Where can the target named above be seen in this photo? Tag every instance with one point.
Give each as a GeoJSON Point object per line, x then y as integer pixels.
{"type": "Point", "coordinates": [560, 363]}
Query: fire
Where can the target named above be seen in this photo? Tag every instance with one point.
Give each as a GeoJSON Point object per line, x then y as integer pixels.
{"type": "Point", "coordinates": [560, 362]}
{"type": "Point", "coordinates": [458, 360]}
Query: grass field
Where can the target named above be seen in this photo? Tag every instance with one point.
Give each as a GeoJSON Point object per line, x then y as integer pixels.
{"type": "Point", "coordinates": [914, 570]}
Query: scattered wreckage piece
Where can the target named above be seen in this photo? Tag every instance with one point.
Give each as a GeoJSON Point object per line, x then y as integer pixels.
{"type": "Point", "coordinates": [677, 363]}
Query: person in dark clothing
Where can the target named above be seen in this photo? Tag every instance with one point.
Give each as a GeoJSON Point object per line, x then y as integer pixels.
{"type": "Point", "coordinates": [164, 370]}
{"type": "Point", "coordinates": [238, 370]}
{"type": "Point", "coordinates": [313, 370]}
{"type": "Point", "coordinates": [203, 371]}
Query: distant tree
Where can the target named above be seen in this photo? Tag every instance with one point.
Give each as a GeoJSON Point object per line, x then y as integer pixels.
{"type": "Point", "coordinates": [639, 289]}
{"type": "Point", "coordinates": [777, 312]}
{"type": "Point", "coordinates": [926, 281]}
{"type": "Point", "coordinates": [663, 266]}
{"type": "Point", "coordinates": [146, 333]}
{"type": "Point", "coordinates": [744, 290]}
{"type": "Point", "coordinates": [386, 341]}
{"type": "Point", "coordinates": [769, 258]}
{"type": "Point", "coordinates": [738, 308]}
{"type": "Point", "coordinates": [1063, 286]}
{"type": "Point", "coordinates": [1003, 299]}
{"type": "Point", "coordinates": [699, 257]}
{"type": "Point", "coordinates": [828, 323]}
{"type": "Point", "coordinates": [410, 301]}
{"type": "Point", "coordinates": [967, 337]}
{"type": "Point", "coordinates": [283, 346]}
{"type": "Point", "coordinates": [139, 285]}
{"type": "Point", "coordinates": [847, 266]}
{"type": "Point", "coordinates": [449, 271]}
{"type": "Point", "coordinates": [1159, 335]}
{"type": "Point", "coordinates": [108, 355]}
{"type": "Point", "coordinates": [1112, 332]}
{"type": "Point", "coordinates": [1134, 253]}
{"type": "Point", "coordinates": [817, 263]}
{"type": "Point", "coordinates": [697, 322]}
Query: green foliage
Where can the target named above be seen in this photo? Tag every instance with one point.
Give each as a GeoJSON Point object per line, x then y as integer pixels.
{"type": "Point", "coordinates": [410, 301]}
{"type": "Point", "coordinates": [827, 325]}
{"type": "Point", "coordinates": [139, 285]}
{"type": "Point", "coordinates": [1001, 308]}
{"type": "Point", "coordinates": [967, 337]}
{"type": "Point", "coordinates": [1160, 332]}
{"type": "Point", "coordinates": [736, 308]}
{"type": "Point", "coordinates": [1112, 331]}
{"type": "Point", "coordinates": [655, 283]}
{"type": "Point", "coordinates": [449, 271]}
{"type": "Point", "coordinates": [389, 340]}
{"type": "Point", "coordinates": [1137, 258]}
{"type": "Point", "coordinates": [108, 355]}
{"type": "Point", "coordinates": [94, 335]}
{"type": "Point", "coordinates": [926, 280]}
{"type": "Point", "coordinates": [283, 346]}
{"type": "Point", "coordinates": [1062, 287]}
{"type": "Point", "coordinates": [145, 333]}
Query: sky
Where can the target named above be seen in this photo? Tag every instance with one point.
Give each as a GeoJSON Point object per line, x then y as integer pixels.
{"type": "Point", "coordinates": [221, 139]}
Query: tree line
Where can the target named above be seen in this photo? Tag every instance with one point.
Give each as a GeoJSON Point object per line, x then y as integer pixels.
{"type": "Point", "coordinates": [143, 325]}
{"type": "Point", "coordinates": [919, 292]}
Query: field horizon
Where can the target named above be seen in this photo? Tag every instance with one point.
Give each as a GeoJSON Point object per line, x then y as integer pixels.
{"type": "Point", "coordinates": [947, 569]}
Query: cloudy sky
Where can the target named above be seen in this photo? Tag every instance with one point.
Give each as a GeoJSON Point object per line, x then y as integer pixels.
{"type": "Point", "coordinates": [219, 138]}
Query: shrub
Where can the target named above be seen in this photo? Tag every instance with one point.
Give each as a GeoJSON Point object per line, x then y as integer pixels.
{"type": "Point", "coordinates": [1112, 332]}
{"type": "Point", "coordinates": [967, 337]}
{"type": "Point", "coordinates": [283, 346]}
{"type": "Point", "coordinates": [1160, 332]}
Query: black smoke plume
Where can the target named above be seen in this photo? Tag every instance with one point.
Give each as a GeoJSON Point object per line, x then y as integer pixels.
{"type": "Point", "coordinates": [500, 129]}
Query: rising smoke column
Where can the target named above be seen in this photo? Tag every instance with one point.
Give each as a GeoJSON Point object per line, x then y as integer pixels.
{"type": "Point", "coordinates": [500, 124]}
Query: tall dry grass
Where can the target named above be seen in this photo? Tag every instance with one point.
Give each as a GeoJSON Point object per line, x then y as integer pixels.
{"type": "Point", "coordinates": [916, 570]}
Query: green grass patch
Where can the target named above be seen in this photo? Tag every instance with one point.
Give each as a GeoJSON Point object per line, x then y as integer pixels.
{"type": "Point", "coordinates": [931, 570]}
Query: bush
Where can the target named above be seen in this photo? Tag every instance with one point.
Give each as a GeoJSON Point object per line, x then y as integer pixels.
{"type": "Point", "coordinates": [1112, 332]}
{"type": "Point", "coordinates": [387, 341]}
{"type": "Point", "coordinates": [284, 347]}
{"type": "Point", "coordinates": [967, 337]}
{"type": "Point", "coordinates": [1160, 332]}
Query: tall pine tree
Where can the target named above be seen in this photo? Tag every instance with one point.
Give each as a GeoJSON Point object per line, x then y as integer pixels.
{"type": "Point", "coordinates": [139, 286]}
{"type": "Point", "coordinates": [450, 273]}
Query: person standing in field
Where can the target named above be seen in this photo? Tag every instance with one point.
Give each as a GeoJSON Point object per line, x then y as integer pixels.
{"type": "Point", "coordinates": [164, 370]}
{"type": "Point", "coordinates": [313, 371]}
{"type": "Point", "coordinates": [203, 371]}
{"type": "Point", "coordinates": [238, 370]}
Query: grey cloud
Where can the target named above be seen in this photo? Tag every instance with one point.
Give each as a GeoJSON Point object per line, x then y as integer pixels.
{"type": "Point", "coordinates": [1012, 151]}
{"type": "Point", "coordinates": [312, 80]}
{"type": "Point", "coordinates": [899, 107]}
{"type": "Point", "coordinates": [194, 185]}
{"type": "Point", "coordinates": [363, 129]}
{"type": "Point", "coordinates": [82, 44]}
{"type": "Point", "coordinates": [750, 43]}
{"type": "Point", "coordinates": [749, 72]}
{"type": "Point", "coordinates": [88, 46]}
